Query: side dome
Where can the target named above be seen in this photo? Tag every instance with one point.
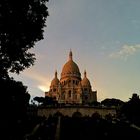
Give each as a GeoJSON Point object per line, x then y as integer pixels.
{"type": "Point", "coordinates": [55, 81]}
{"type": "Point", "coordinates": [85, 81]}
{"type": "Point", "coordinates": [70, 68]}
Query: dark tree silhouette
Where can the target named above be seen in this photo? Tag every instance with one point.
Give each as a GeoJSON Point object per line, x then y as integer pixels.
{"type": "Point", "coordinates": [14, 102]}
{"type": "Point", "coordinates": [112, 102]}
{"type": "Point", "coordinates": [131, 109]}
{"type": "Point", "coordinates": [21, 26]}
{"type": "Point", "coordinates": [46, 100]}
{"type": "Point", "coordinates": [40, 100]}
{"type": "Point", "coordinates": [14, 96]}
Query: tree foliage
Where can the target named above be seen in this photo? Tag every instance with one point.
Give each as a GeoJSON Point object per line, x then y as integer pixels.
{"type": "Point", "coordinates": [21, 26]}
{"type": "Point", "coordinates": [14, 96]}
{"type": "Point", "coordinates": [112, 102]}
{"type": "Point", "coordinates": [131, 109]}
{"type": "Point", "coordinates": [45, 100]}
{"type": "Point", "coordinates": [39, 99]}
{"type": "Point", "coordinates": [14, 108]}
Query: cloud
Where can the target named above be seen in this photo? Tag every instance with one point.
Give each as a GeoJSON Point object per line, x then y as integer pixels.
{"type": "Point", "coordinates": [125, 51]}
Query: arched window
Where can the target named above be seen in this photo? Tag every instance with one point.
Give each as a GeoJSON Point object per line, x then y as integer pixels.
{"type": "Point", "coordinates": [69, 93]}
{"type": "Point", "coordinates": [73, 81]}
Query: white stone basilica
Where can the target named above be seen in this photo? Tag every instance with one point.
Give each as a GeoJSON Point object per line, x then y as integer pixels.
{"type": "Point", "coordinates": [71, 88]}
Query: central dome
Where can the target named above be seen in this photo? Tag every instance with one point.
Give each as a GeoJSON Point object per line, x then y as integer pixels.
{"type": "Point", "coordinates": [70, 69]}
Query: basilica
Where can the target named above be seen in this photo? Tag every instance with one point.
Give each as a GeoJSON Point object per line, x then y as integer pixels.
{"type": "Point", "coordinates": [71, 88]}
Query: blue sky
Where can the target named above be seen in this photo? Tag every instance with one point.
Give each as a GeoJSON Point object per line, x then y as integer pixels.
{"type": "Point", "coordinates": [104, 36]}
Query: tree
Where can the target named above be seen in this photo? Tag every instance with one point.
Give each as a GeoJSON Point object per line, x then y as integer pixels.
{"type": "Point", "coordinates": [39, 99]}
{"type": "Point", "coordinates": [112, 102]}
{"type": "Point", "coordinates": [131, 109]}
{"type": "Point", "coordinates": [21, 26]}
{"type": "Point", "coordinates": [14, 97]}
{"type": "Point", "coordinates": [46, 100]}
{"type": "Point", "coordinates": [14, 105]}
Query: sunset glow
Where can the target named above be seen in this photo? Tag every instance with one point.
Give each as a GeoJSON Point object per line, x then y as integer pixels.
{"type": "Point", "coordinates": [104, 38]}
{"type": "Point", "coordinates": [43, 88]}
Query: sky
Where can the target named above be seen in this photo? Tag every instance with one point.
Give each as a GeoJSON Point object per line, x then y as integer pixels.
{"type": "Point", "coordinates": [104, 36]}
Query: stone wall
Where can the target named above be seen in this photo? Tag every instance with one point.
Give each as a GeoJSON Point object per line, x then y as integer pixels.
{"type": "Point", "coordinates": [69, 111]}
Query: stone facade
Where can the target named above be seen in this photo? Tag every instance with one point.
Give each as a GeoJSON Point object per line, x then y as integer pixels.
{"type": "Point", "coordinates": [71, 88]}
{"type": "Point", "coordinates": [69, 111]}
